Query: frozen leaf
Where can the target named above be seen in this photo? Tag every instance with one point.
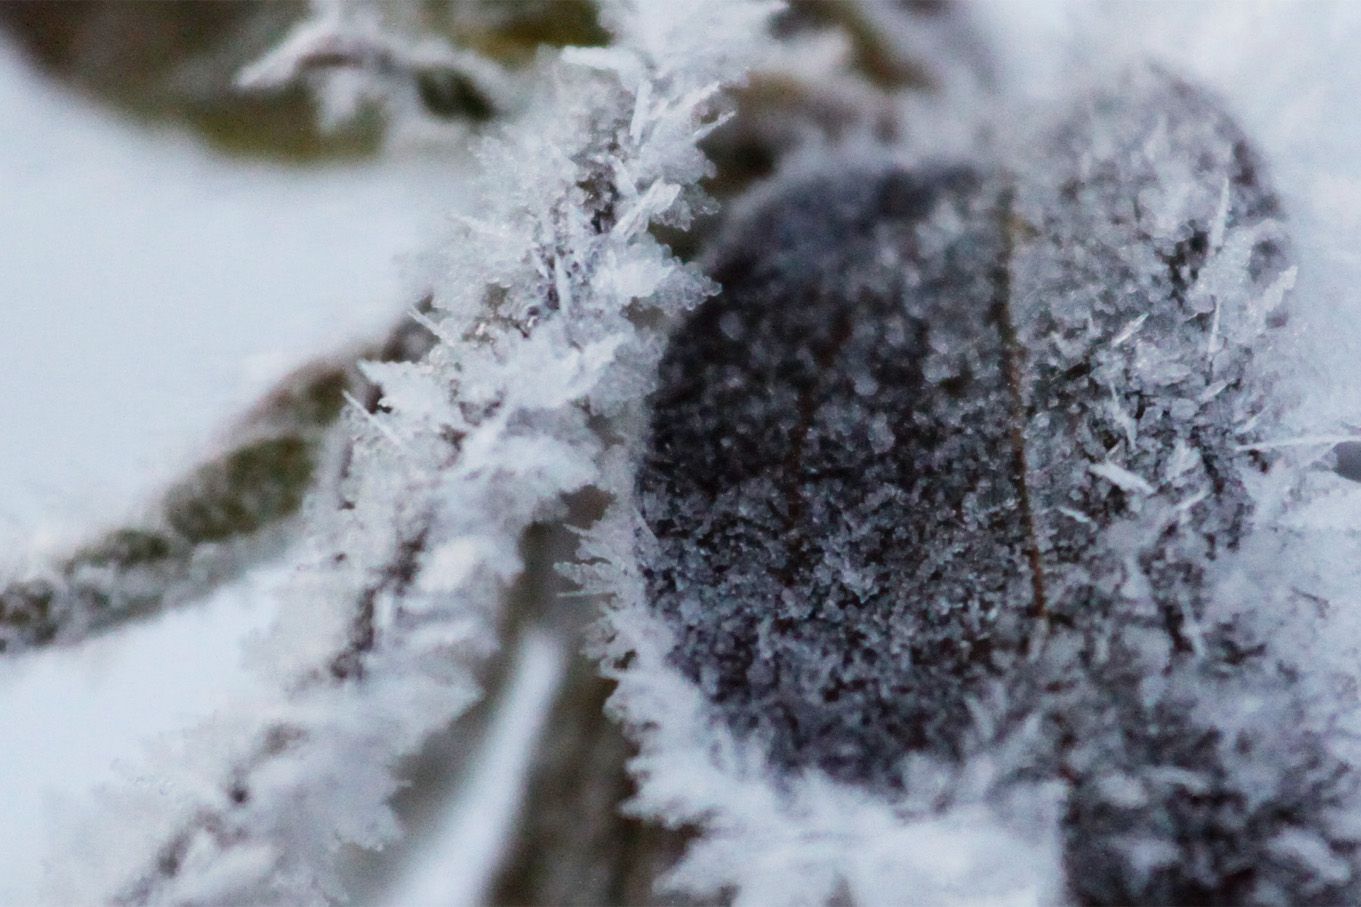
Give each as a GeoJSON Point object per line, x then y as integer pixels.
{"type": "Point", "coordinates": [1065, 341]}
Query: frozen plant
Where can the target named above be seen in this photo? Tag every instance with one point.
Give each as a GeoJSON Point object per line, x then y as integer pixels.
{"type": "Point", "coordinates": [224, 518]}
{"type": "Point", "coordinates": [977, 542]}
{"type": "Point", "coordinates": [940, 517]}
{"type": "Point", "coordinates": [547, 322]}
{"type": "Point", "coordinates": [356, 56]}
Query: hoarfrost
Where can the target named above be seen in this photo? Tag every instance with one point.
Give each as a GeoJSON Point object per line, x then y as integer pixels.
{"type": "Point", "coordinates": [1035, 610]}
{"type": "Point", "coordinates": [480, 439]}
{"type": "Point", "coordinates": [357, 55]}
{"type": "Point", "coordinates": [979, 546]}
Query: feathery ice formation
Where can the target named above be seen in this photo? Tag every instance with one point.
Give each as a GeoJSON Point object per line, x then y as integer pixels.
{"type": "Point", "coordinates": [953, 462]}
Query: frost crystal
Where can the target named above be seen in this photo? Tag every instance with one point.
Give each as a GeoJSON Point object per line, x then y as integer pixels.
{"type": "Point", "coordinates": [543, 319]}
{"type": "Point", "coordinates": [943, 510]}
{"type": "Point", "coordinates": [826, 595]}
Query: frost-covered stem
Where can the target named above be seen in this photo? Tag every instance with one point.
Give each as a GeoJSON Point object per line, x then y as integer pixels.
{"type": "Point", "coordinates": [549, 329]}
{"type": "Point", "coordinates": [355, 37]}
{"type": "Point", "coordinates": [226, 516]}
{"type": "Point", "coordinates": [566, 838]}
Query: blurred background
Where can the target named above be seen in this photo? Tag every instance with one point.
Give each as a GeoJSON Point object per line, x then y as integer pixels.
{"type": "Point", "coordinates": [174, 250]}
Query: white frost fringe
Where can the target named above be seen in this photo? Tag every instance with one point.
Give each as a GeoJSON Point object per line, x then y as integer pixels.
{"type": "Point", "coordinates": [396, 598]}
{"type": "Point", "coordinates": [805, 841]}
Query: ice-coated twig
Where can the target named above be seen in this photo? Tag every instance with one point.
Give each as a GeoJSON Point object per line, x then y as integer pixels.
{"type": "Point", "coordinates": [483, 816]}
{"type": "Point", "coordinates": [225, 517]}
{"type": "Point", "coordinates": [396, 598]}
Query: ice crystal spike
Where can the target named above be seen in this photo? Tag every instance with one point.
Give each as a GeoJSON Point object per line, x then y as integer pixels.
{"type": "Point", "coordinates": [954, 454]}
{"type": "Point", "coordinates": [1141, 244]}
{"type": "Point", "coordinates": [1146, 275]}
